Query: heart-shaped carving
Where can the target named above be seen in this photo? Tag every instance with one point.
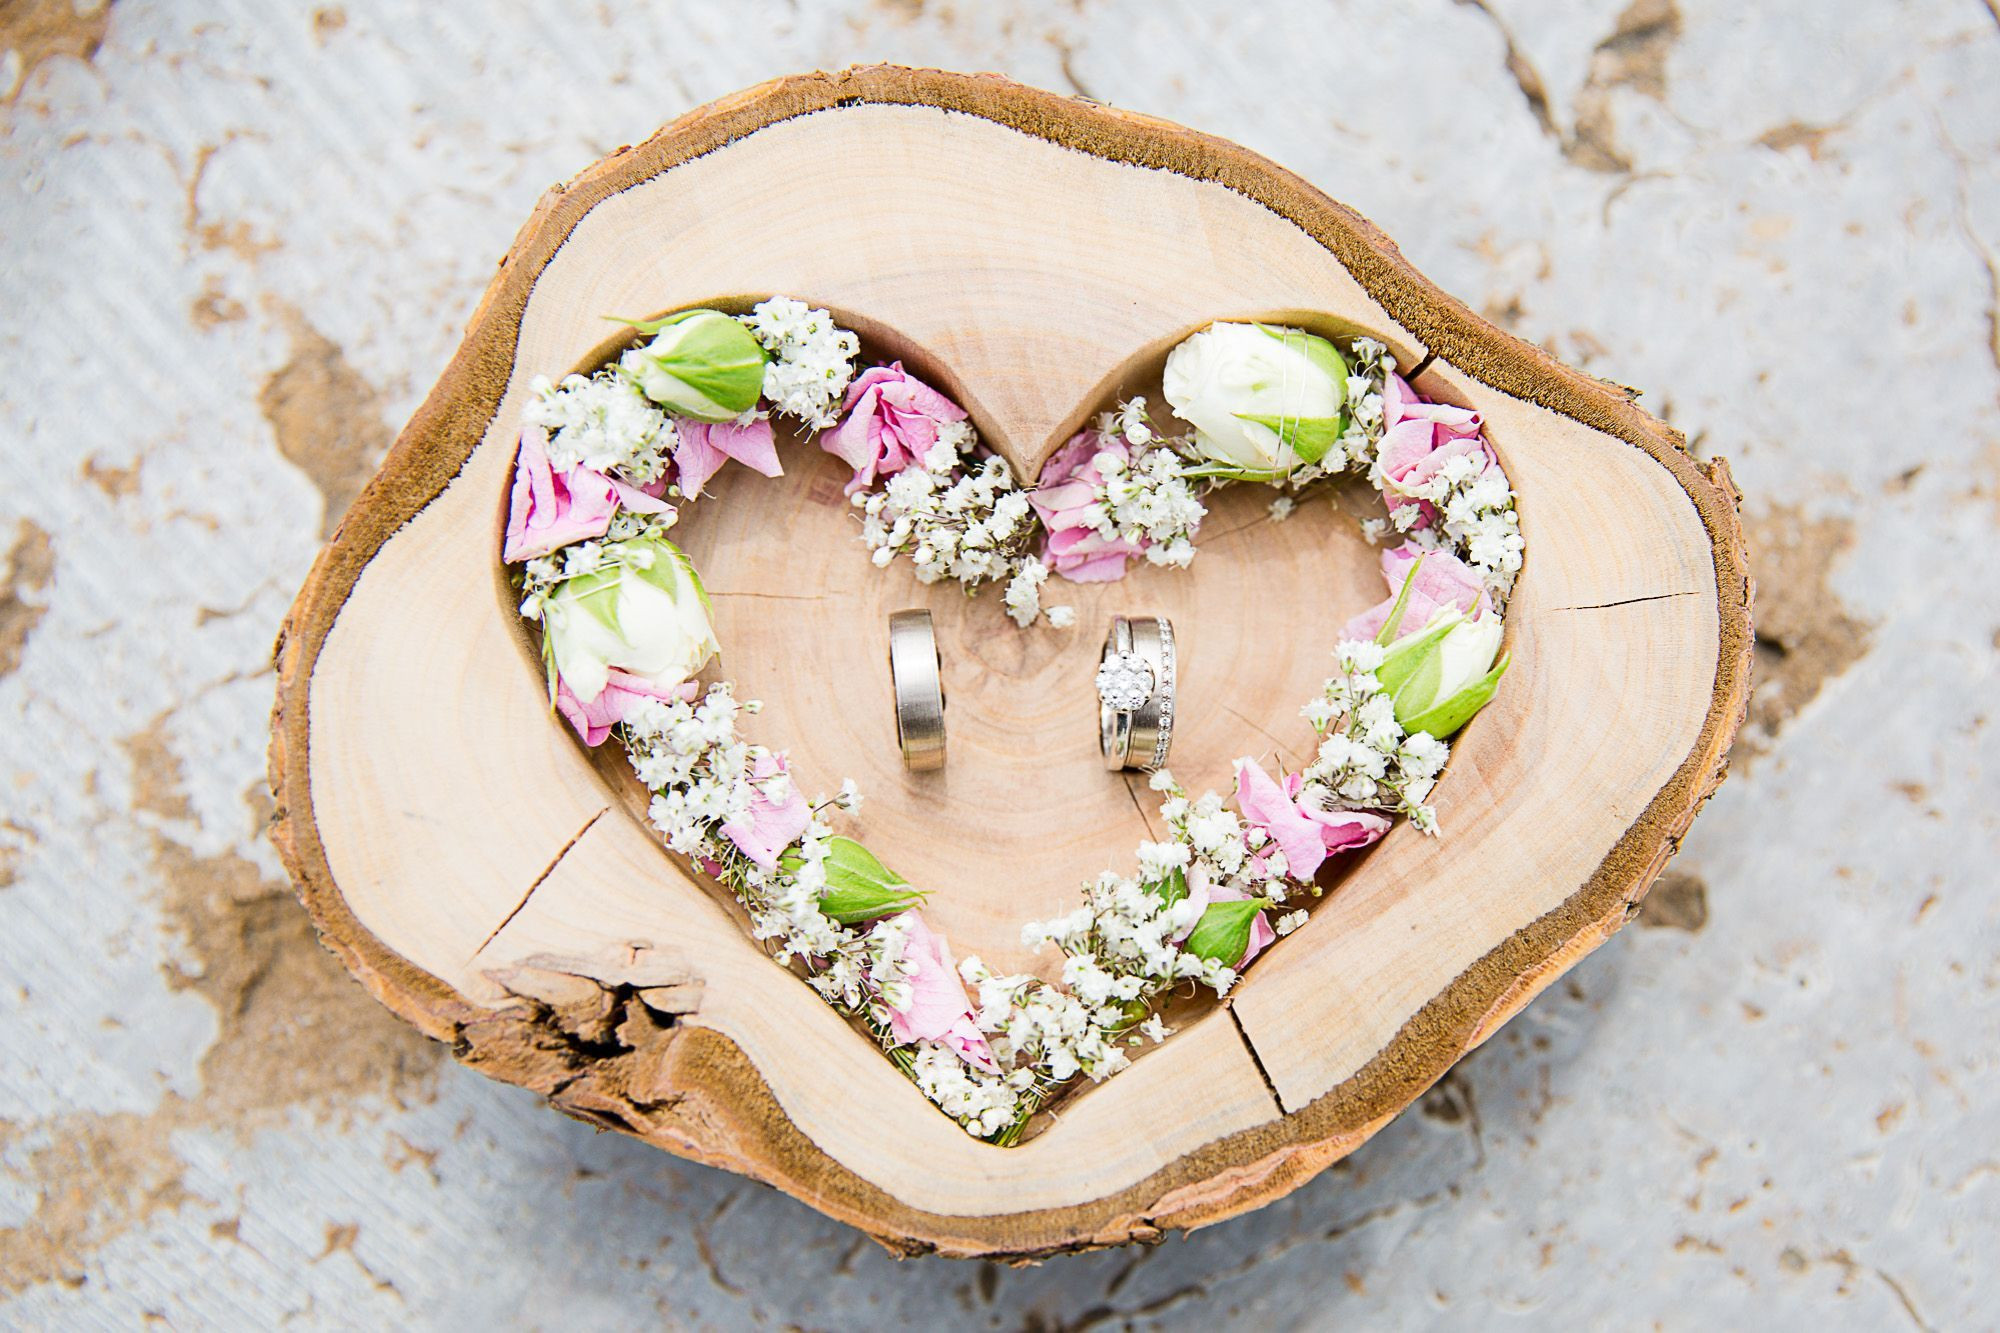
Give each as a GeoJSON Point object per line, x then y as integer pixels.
{"type": "Point", "coordinates": [443, 828]}
{"type": "Point", "coordinates": [1024, 812]}
{"type": "Point", "coordinates": [998, 829]}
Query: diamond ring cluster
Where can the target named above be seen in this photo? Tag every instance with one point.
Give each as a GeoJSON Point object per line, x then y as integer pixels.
{"type": "Point", "coordinates": [1135, 693]}
{"type": "Point", "coordinates": [1125, 681]}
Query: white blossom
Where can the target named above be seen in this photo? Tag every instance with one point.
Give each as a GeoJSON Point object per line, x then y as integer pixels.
{"type": "Point", "coordinates": [602, 422]}
{"type": "Point", "coordinates": [811, 359]}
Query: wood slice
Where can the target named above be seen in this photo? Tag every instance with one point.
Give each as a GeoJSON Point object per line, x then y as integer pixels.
{"type": "Point", "coordinates": [495, 884]}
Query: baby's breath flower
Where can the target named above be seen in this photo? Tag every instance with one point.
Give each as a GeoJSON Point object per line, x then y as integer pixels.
{"type": "Point", "coordinates": [811, 359]}
{"type": "Point", "coordinates": [602, 422]}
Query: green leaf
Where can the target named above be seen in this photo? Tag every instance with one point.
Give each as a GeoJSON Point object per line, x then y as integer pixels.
{"type": "Point", "coordinates": [1387, 635]}
{"type": "Point", "coordinates": [859, 888]}
{"type": "Point", "coordinates": [1410, 655]}
{"type": "Point", "coordinates": [1447, 716]}
{"type": "Point", "coordinates": [669, 561]}
{"type": "Point", "coordinates": [1308, 437]}
{"type": "Point", "coordinates": [649, 327]}
{"type": "Point", "coordinates": [597, 596]}
{"type": "Point", "coordinates": [713, 364]}
{"type": "Point", "coordinates": [1323, 355]}
{"type": "Point", "coordinates": [1171, 889]}
{"type": "Point", "coordinates": [1231, 472]}
{"type": "Point", "coordinates": [854, 907]}
{"type": "Point", "coordinates": [694, 577]}
{"type": "Point", "coordinates": [1223, 933]}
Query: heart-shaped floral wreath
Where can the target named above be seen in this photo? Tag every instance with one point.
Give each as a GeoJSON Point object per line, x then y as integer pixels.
{"type": "Point", "coordinates": [607, 461]}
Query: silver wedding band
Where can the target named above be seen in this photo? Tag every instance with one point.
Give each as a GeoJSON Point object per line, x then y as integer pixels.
{"type": "Point", "coordinates": [915, 675]}
{"type": "Point", "coordinates": [1135, 693]}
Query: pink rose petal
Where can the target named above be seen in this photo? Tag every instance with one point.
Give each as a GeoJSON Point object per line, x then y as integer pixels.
{"type": "Point", "coordinates": [1264, 804]}
{"type": "Point", "coordinates": [938, 1009]}
{"type": "Point", "coordinates": [1444, 581]}
{"type": "Point", "coordinates": [548, 510]}
{"type": "Point", "coordinates": [769, 827]}
{"type": "Point", "coordinates": [891, 420]}
{"type": "Point", "coordinates": [594, 720]}
{"type": "Point", "coordinates": [1074, 549]}
{"type": "Point", "coordinates": [703, 447]}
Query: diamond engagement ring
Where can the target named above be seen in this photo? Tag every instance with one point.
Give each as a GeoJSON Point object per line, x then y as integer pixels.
{"type": "Point", "coordinates": [1135, 693]}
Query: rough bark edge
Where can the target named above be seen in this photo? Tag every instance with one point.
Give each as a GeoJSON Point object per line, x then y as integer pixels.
{"type": "Point", "coordinates": [719, 1110]}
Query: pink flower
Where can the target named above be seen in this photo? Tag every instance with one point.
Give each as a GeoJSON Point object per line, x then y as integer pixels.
{"type": "Point", "coordinates": [1444, 581]}
{"type": "Point", "coordinates": [1418, 438]}
{"type": "Point", "coordinates": [769, 826]}
{"type": "Point", "coordinates": [1066, 491]}
{"type": "Point", "coordinates": [938, 1009]}
{"type": "Point", "coordinates": [892, 421]}
{"type": "Point", "coordinates": [594, 720]}
{"type": "Point", "coordinates": [550, 509]}
{"type": "Point", "coordinates": [1305, 834]}
{"type": "Point", "coordinates": [704, 446]}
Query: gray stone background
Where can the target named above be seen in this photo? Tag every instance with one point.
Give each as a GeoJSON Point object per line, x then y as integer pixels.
{"type": "Point", "coordinates": [238, 242]}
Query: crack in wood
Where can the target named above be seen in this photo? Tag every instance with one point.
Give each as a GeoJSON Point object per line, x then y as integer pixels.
{"type": "Point", "coordinates": [1631, 601]}
{"type": "Point", "coordinates": [1256, 1059]}
{"type": "Point", "coordinates": [1282, 748]}
{"type": "Point", "coordinates": [1146, 820]}
{"type": "Point", "coordinates": [548, 870]}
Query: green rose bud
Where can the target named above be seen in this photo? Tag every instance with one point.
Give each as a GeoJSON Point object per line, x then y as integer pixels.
{"type": "Point", "coordinates": [700, 364]}
{"type": "Point", "coordinates": [643, 611]}
{"type": "Point", "coordinates": [859, 888]}
{"type": "Point", "coordinates": [1223, 933]}
{"type": "Point", "coordinates": [1443, 675]}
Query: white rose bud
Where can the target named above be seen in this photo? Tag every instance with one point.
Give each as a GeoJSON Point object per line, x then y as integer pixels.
{"type": "Point", "coordinates": [644, 611]}
{"type": "Point", "coordinates": [700, 364]}
{"type": "Point", "coordinates": [1262, 400]}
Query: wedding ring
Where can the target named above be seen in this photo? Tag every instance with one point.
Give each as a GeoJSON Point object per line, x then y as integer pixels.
{"type": "Point", "coordinates": [1135, 693]}
{"type": "Point", "coordinates": [915, 675]}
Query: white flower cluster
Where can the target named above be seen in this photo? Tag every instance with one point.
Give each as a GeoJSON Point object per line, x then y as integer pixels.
{"type": "Point", "coordinates": [992, 1106]}
{"type": "Point", "coordinates": [1365, 760]}
{"type": "Point", "coordinates": [812, 359]}
{"type": "Point", "coordinates": [1475, 520]}
{"type": "Point", "coordinates": [1024, 596]}
{"type": "Point", "coordinates": [1149, 499]}
{"type": "Point", "coordinates": [602, 422]}
{"type": "Point", "coordinates": [541, 576]}
{"type": "Point", "coordinates": [957, 517]}
{"type": "Point", "coordinates": [1370, 364]}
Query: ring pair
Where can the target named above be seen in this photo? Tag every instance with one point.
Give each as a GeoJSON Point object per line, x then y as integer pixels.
{"type": "Point", "coordinates": [1136, 675]}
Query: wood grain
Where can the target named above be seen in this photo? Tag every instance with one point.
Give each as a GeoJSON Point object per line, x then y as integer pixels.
{"type": "Point", "coordinates": [1036, 255]}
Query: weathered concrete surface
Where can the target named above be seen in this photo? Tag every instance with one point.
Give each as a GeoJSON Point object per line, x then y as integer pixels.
{"type": "Point", "coordinates": [238, 245]}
